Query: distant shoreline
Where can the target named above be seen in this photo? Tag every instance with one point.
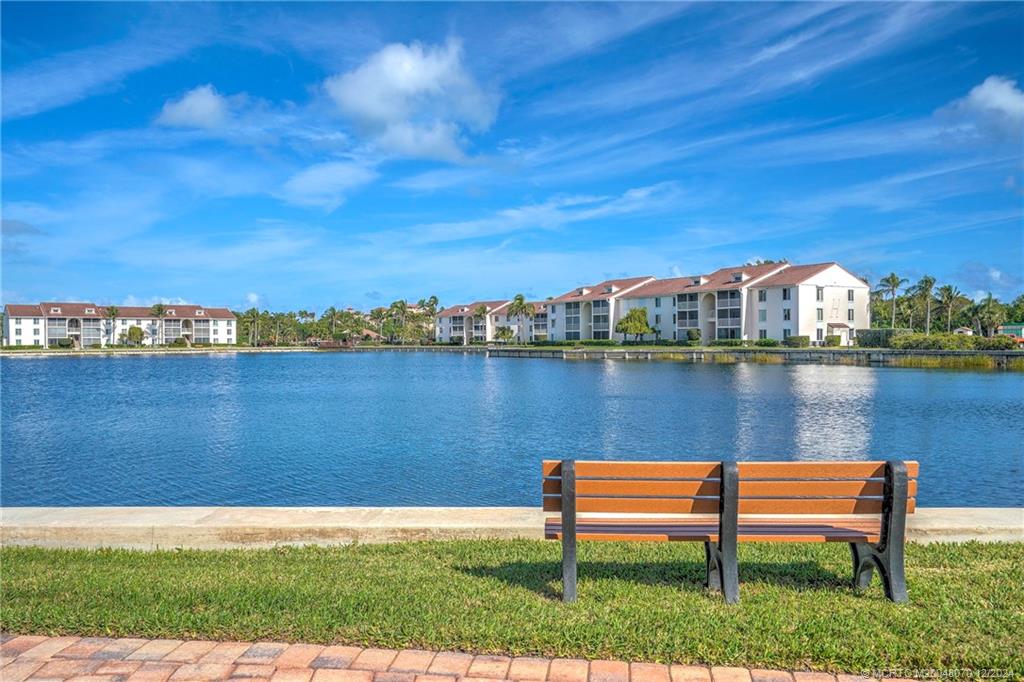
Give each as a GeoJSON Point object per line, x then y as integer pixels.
{"type": "Point", "coordinates": [873, 357]}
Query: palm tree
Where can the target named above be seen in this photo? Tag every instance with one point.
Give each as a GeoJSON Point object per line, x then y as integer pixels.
{"type": "Point", "coordinates": [159, 311]}
{"type": "Point", "coordinates": [949, 298]}
{"type": "Point", "coordinates": [891, 284]}
{"type": "Point", "coordinates": [332, 316]}
{"type": "Point", "coordinates": [481, 312]}
{"type": "Point", "coordinates": [399, 310]}
{"type": "Point", "coordinates": [252, 317]}
{"type": "Point", "coordinates": [521, 309]}
{"type": "Point", "coordinates": [988, 315]}
{"type": "Point", "coordinates": [112, 313]}
{"type": "Point", "coordinates": [378, 316]}
{"type": "Point", "coordinates": [925, 290]}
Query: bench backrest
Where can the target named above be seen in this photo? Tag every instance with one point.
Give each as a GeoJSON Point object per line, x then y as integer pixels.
{"type": "Point", "coordinates": [694, 487]}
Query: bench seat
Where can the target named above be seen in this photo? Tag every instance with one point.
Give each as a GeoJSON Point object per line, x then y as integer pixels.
{"type": "Point", "coordinates": [765, 529]}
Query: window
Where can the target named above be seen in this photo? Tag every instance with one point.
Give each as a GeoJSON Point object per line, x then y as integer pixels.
{"type": "Point", "coordinates": [35, 332]}
{"type": "Point", "coordinates": [657, 303]}
{"type": "Point", "coordinates": [673, 318]}
{"type": "Point", "coordinates": [785, 294]}
{"type": "Point", "coordinates": [17, 331]}
{"type": "Point", "coordinates": [819, 294]}
{"type": "Point", "coordinates": [35, 320]}
{"type": "Point", "coordinates": [821, 314]}
{"type": "Point", "coordinates": [821, 333]}
{"type": "Point", "coordinates": [762, 295]}
{"type": "Point", "coordinates": [55, 311]}
{"type": "Point", "coordinates": [762, 333]}
{"type": "Point", "coordinates": [90, 311]}
{"type": "Point", "coordinates": [762, 315]}
{"type": "Point", "coordinates": [737, 276]}
{"type": "Point", "coordinates": [657, 319]}
{"type": "Point", "coordinates": [786, 314]}
{"type": "Point", "coordinates": [849, 294]}
{"type": "Point", "coordinates": [849, 315]}
{"type": "Point", "coordinates": [18, 342]}
{"type": "Point", "coordinates": [200, 313]}
{"type": "Point", "coordinates": [786, 333]}
{"type": "Point", "coordinates": [572, 321]}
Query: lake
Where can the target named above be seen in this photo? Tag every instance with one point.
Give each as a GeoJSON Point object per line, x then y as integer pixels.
{"type": "Point", "coordinates": [450, 429]}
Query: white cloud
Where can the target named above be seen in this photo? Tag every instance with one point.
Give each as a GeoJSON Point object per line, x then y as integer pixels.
{"type": "Point", "coordinates": [324, 185]}
{"type": "Point", "coordinates": [993, 110]}
{"type": "Point", "coordinates": [201, 107]}
{"type": "Point", "coordinates": [415, 99]}
{"type": "Point", "coordinates": [552, 214]}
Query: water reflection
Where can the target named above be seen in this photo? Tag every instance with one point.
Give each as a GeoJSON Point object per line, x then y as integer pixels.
{"type": "Point", "coordinates": [832, 415]}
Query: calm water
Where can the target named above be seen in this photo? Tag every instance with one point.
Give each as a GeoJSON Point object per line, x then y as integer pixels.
{"type": "Point", "coordinates": [439, 429]}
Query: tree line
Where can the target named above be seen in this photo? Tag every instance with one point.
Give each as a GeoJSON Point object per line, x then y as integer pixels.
{"type": "Point", "coordinates": [924, 307]}
{"type": "Point", "coordinates": [399, 322]}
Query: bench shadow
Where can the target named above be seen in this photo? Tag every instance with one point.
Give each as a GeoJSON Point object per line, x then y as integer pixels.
{"type": "Point", "coordinates": [543, 577]}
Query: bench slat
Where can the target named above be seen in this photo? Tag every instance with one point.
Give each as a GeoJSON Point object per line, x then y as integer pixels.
{"type": "Point", "coordinates": [637, 470]}
{"type": "Point", "coordinates": [711, 488]}
{"type": "Point", "coordinates": [786, 531]}
{"type": "Point", "coordinates": [684, 505]}
{"type": "Point", "coordinates": [640, 488]}
{"type": "Point", "coordinates": [798, 470]}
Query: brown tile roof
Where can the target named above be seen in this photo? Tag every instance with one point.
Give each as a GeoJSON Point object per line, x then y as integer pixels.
{"type": "Point", "coordinates": [19, 310]}
{"type": "Point", "coordinates": [794, 274]}
{"type": "Point", "coordinates": [722, 278]}
{"type": "Point", "coordinates": [79, 310]}
{"type": "Point", "coordinates": [468, 308]}
{"type": "Point", "coordinates": [662, 287]}
{"type": "Point", "coordinates": [599, 291]}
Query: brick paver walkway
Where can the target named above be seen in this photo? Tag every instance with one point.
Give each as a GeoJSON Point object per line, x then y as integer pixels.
{"type": "Point", "coordinates": [96, 659]}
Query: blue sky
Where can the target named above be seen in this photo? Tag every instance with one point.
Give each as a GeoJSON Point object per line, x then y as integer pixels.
{"type": "Point", "coordinates": [306, 155]}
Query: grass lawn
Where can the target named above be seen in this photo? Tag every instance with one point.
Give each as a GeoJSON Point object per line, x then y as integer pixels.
{"type": "Point", "coordinates": [636, 601]}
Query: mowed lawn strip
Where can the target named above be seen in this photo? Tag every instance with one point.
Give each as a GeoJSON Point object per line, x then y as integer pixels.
{"type": "Point", "coordinates": [638, 602]}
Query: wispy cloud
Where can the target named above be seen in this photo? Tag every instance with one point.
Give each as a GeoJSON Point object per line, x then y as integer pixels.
{"type": "Point", "coordinates": [325, 185]}
{"type": "Point", "coordinates": [551, 214]}
{"type": "Point", "coordinates": [201, 107]}
{"type": "Point", "coordinates": [68, 77]}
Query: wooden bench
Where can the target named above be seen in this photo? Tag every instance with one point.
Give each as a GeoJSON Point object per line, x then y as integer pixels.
{"type": "Point", "coordinates": [724, 503]}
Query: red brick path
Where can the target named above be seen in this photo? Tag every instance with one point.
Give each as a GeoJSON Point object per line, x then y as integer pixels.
{"type": "Point", "coordinates": [95, 659]}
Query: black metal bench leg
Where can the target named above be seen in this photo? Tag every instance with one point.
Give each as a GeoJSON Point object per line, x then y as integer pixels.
{"type": "Point", "coordinates": [728, 530]}
{"type": "Point", "coordinates": [863, 565]}
{"type": "Point", "coordinates": [887, 555]}
{"type": "Point", "coordinates": [890, 567]}
{"type": "Point", "coordinates": [568, 530]}
{"type": "Point", "coordinates": [713, 576]}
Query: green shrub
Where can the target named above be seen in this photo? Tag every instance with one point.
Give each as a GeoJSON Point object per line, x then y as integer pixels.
{"type": "Point", "coordinates": [798, 342]}
{"type": "Point", "coordinates": [933, 342]}
{"type": "Point", "coordinates": [831, 340]}
{"type": "Point", "coordinates": [95, 345]}
{"type": "Point", "coordinates": [879, 338]}
{"type": "Point", "coordinates": [1000, 342]}
{"type": "Point", "coordinates": [767, 343]}
{"type": "Point", "coordinates": [598, 342]}
{"type": "Point", "coordinates": [728, 342]}
{"type": "Point", "coordinates": [63, 343]}
{"type": "Point", "coordinates": [693, 335]}
{"type": "Point", "coordinates": [179, 342]}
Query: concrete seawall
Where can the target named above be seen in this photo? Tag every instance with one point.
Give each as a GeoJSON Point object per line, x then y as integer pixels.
{"type": "Point", "coordinates": [877, 357]}
{"type": "Point", "coordinates": [151, 528]}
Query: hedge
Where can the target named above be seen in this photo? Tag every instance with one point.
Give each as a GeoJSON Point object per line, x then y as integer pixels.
{"type": "Point", "coordinates": [767, 343]}
{"type": "Point", "coordinates": [952, 342]}
{"type": "Point", "coordinates": [832, 340]}
{"type": "Point", "coordinates": [798, 342]}
{"type": "Point", "coordinates": [879, 338]}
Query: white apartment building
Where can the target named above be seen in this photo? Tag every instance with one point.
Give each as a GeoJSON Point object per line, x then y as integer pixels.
{"type": "Point", "coordinates": [89, 325]}
{"type": "Point", "coordinates": [589, 312]}
{"type": "Point", "coordinates": [464, 324]}
{"type": "Point", "coordinates": [750, 302]}
{"type": "Point", "coordinates": [527, 329]}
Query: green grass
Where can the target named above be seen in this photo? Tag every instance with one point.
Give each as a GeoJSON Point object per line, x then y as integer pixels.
{"type": "Point", "coordinates": [636, 601]}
